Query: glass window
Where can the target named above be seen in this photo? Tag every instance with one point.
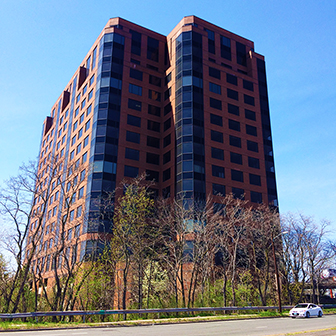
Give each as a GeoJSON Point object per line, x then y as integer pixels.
{"type": "Point", "coordinates": [81, 118]}
{"type": "Point", "coordinates": [84, 157]}
{"type": "Point", "coordinates": [255, 179]}
{"type": "Point", "coordinates": [215, 103]}
{"type": "Point", "coordinates": [253, 162]}
{"type": "Point", "coordinates": [78, 98]}
{"type": "Point", "coordinates": [154, 80]}
{"type": "Point", "coordinates": [133, 120]}
{"type": "Point", "coordinates": [86, 141]}
{"type": "Point", "coordinates": [216, 119]}
{"type": "Point", "coordinates": [225, 47]}
{"type": "Point", "coordinates": [215, 88]}
{"type": "Point", "coordinates": [250, 114]}
{"type": "Point", "coordinates": [248, 100]}
{"type": "Point", "coordinates": [256, 197]}
{"type": "Point", "coordinates": [233, 109]}
{"type": "Point", "coordinates": [135, 89]}
{"type": "Point", "coordinates": [84, 89]}
{"type": "Point", "coordinates": [214, 73]}
{"type": "Point", "coordinates": [152, 175]}
{"type": "Point", "coordinates": [72, 155]}
{"type": "Point", "coordinates": [152, 49]}
{"type": "Point", "coordinates": [80, 193]}
{"type": "Point", "coordinates": [166, 157]}
{"type": "Point", "coordinates": [87, 125]}
{"type": "Point", "coordinates": [153, 126]}
{"type": "Point", "coordinates": [166, 140]}
{"type": "Point", "coordinates": [238, 193]}
{"type": "Point", "coordinates": [153, 158]}
{"type": "Point", "coordinates": [136, 74]}
{"type": "Point", "coordinates": [91, 80]}
{"type": "Point", "coordinates": [218, 171]}
{"type": "Point", "coordinates": [166, 175]}
{"type": "Point", "coordinates": [88, 111]}
{"type": "Point", "coordinates": [232, 94]}
{"type": "Point", "coordinates": [90, 95]}
{"type": "Point", "coordinates": [154, 95]}
{"type": "Point", "coordinates": [234, 125]}
{"type": "Point", "coordinates": [136, 43]}
{"type": "Point", "coordinates": [252, 146]}
{"type": "Point", "coordinates": [75, 126]}
{"type": "Point", "coordinates": [251, 130]}
{"type": "Point", "coordinates": [73, 140]}
{"type": "Point", "coordinates": [130, 171]}
{"type": "Point", "coordinates": [79, 148]}
{"type": "Point", "coordinates": [241, 53]}
{"type": "Point", "coordinates": [237, 175]}
{"type": "Point", "coordinates": [134, 104]}
{"type": "Point", "coordinates": [80, 132]}
{"type": "Point", "coordinates": [236, 158]}
{"type": "Point", "coordinates": [131, 154]}
{"type": "Point", "coordinates": [167, 124]}
{"type": "Point", "coordinates": [217, 153]}
{"type": "Point", "coordinates": [216, 136]}
{"type": "Point", "coordinates": [231, 79]}
{"type": "Point", "coordinates": [154, 110]}
{"type": "Point", "coordinates": [153, 142]}
{"type": "Point", "coordinates": [218, 189]}
{"type": "Point", "coordinates": [247, 85]}
{"type": "Point", "coordinates": [132, 137]}
{"type": "Point", "coordinates": [235, 141]}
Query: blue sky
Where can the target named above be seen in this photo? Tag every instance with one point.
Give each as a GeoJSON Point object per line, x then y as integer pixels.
{"type": "Point", "coordinates": [43, 43]}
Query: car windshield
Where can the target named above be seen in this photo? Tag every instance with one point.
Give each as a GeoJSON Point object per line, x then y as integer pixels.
{"type": "Point", "coordinates": [301, 305]}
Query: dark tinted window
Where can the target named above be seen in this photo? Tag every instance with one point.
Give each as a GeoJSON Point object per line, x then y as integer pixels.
{"type": "Point", "coordinates": [256, 197]}
{"type": "Point", "coordinates": [241, 53]}
{"type": "Point", "coordinates": [217, 153]}
{"type": "Point", "coordinates": [133, 120]}
{"type": "Point", "coordinates": [251, 130]}
{"type": "Point", "coordinates": [167, 124]}
{"type": "Point", "coordinates": [216, 136]}
{"type": "Point", "coordinates": [225, 47]}
{"type": "Point", "coordinates": [214, 88]}
{"type": "Point", "coordinates": [215, 103]}
{"type": "Point", "coordinates": [235, 141]}
{"type": "Point", "coordinates": [231, 79]}
{"type": "Point", "coordinates": [238, 193]}
{"type": "Point", "coordinates": [152, 49]}
{"type": "Point", "coordinates": [153, 126]}
{"type": "Point", "coordinates": [236, 158]}
{"type": "Point", "coordinates": [216, 119]}
{"type": "Point", "coordinates": [234, 125]}
{"type": "Point", "coordinates": [232, 94]}
{"type": "Point", "coordinates": [214, 73]}
{"type": "Point", "coordinates": [132, 137]}
{"type": "Point", "coordinates": [154, 80]}
{"type": "Point", "coordinates": [131, 154]}
{"type": "Point", "coordinates": [250, 114]}
{"type": "Point", "coordinates": [166, 157]}
{"type": "Point", "coordinates": [136, 74]}
{"type": "Point", "coordinates": [252, 146]}
{"type": "Point", "coordinates": [233, 109]}
{"type": "Point", "coordinates": [237, 175]}
{"type": "Point", "coordinates": [153, 158]}
{"type": "Point", "coordinates": [152, 175]}
{"type": "Point", "coordinates": [153, 142]}
{"type": "Point", "coordinates": [134, 104]}
{"type": "Point", "coordinates": [166, 140]}
{"type": "Point", "coordinates": [154, 95]}
{"type": "Point", "coordinates": [130, 171]}
{"type": "Point", "coordinates": [218, 189]}
{"type": "Point", "coordinates": [136, 43]}
{"type": "Point", "coordinates": [218, 171]}
{"type": "Point", "coordinates": [166, 175]}
{"type": "Point", "coordinates": [248, 100]}
{"type": "Point", "coordinates": [247, 85]}
{"type": "Point", "coordinates": [167, 109]}
{"type": "Point", "coordinates": [253, 162]}
{"type": "Point", "coordinates": [255, 179]}
{"type": "Point", "coordinates": [154, 110]}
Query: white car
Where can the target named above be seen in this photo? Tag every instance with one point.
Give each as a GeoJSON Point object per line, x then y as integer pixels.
{"type": "Point", "coordinates": [306, 310]}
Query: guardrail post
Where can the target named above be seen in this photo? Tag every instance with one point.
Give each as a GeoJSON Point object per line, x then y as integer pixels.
{"type": "Point", "coordinates": [83, 318]}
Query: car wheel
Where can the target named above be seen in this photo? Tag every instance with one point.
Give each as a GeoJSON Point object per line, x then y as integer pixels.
{"type": "Point", "coordinates": [320, 314]}
{"type": "Point", "coordinates": [293, 316]}
{"type": "Point", "coordinates": [307, 314]}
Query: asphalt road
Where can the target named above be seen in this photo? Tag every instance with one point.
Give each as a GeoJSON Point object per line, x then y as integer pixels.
{"type": "Point", "coordinates": [276, 326]}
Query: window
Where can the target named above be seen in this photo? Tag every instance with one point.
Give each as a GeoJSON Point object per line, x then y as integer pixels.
{"type": "Point", "coordinates": [91, 80]}
{"type": "Point", "coordinates": [86, 141]}
{"type": "Point", "coordinates": [90, 95]}
{"type": "Point", "coordinates": [248, 100]}
{"type": "Point", "coordinates": [135, 89]}
{"type": "Point", "coordinates": [215, 103]}
{"type": "Point", "coordinates": [233, 109]}
{"type": "Point", "coordinates": [88, 111]}
{"type": "Point", "coordinates": [154, 95]}
{"type": "Point", "coordinates": [218, 171]}
{"type": "Point", "coordinates": [247, 85]}
{"type": "Point", "coordinates": [255, 179]}
{"type": "Point", "coordinates": [87, 125]}
{"type": "Point", "coordinates": [136, 74]}
{"type": "Point", "coordinates": [215, 88]}
{"type": "Point", "coordinates": [78, 98]}
{"type": "Point", "coordinates": [217, 153]}
{"type": "Point", "coordinates": [82, 175]}
{"type": "Point", "coordinates": [214, 73]}
{"type": "Point", "coordinates": [132, 154]}
{"type": "Point", "coordinates": [84, 157]}
{"type": "Point", "coordinates": [78, 213]}
{"type": "Point", "coordinates": [155, 80]}
{"type": "Point", "coordinates": [218, 189]}
{"type": "Point", "coordinates": [211, 41]}
{"type": "Point", "coordinates": [152, 175]}
{"type": "Point", "coordinates": [84, 89]}
{"type": "Point", "coordinates": [251, 130]}
{"type": "Point", "coordinates": [216, 119]}
{"type": "Point", "coordinates": [232, 94]}
{"type": "Point", "coordinates": [216, 136]}
{"type": "Point", "coordinates": [81, 193]}
{"type": "Point", "coordinates": [256, 197]}
{"type": "Point", "coordinates": [166, 157]}
{"type": "Point", "coordinates": [134, 104]}
{"type": "Point", "coordinates": [237, 175]}
{"type": "Point", "coordinates": [77, 230]}
{"type": "Point", "coordinates": [167, 94]}
{"type": "Point", "coordinates": [153, 142]}
{"type": "Point", "coordinates": [79, 148]}
{"type": "Point", "coordinates": [72, 155]}
{"type": "Point", "coordinates": [75, 126]}
{"type": "Point", "coordinates": [132, 137]}
{"type": "Point", "coordinates": [81, 118]}
{"type": "Point", "coordinates": [225, 47]}
{"type": "Point", "coordinates": [166, 175]}
{"type": "Point", "coordinates": [73, 140]}
{"type": "Point", "coordinates": [154, 110]}
{"type": "Point", "coordinates": [238, 193]}
{"type": "Point", "coordinates": [153, 126]}
{"type": "Point", "coordinates": [234, 125]}
{"type": "Point", "coordinates": [253, 162]}
{"type": "Point", "coordinates": [250, 114]}
{"type": "Point", "coordinates": [167, 124]}
{"type": "Point", "coordinates": [236, 158]}
{"type": "Point", "coordinates": [231, 79]}
{"type": "Point", "coordinates": [130, 171]}
{"type": "Point", "coordinates": [167, 109]}
{"type": "Point", "coordinates": [72, 215]}
{"type": "Point", "coordinates": [83, 103]}
{"type": "Point", "coordinates": [252, 146]}
{"type": "Point", "coordinates": [80, 133]}
{"type": "Point", "coordinates": [241, 53]}
{"type": "Point", "coordinates": [136, 43]}
{"type": "Point", "coordinates": [166, 140]}
{"type": "Point", "coordinates": [133, 120]}
{"type": "Point", "coordinates": [153, 158]}
{"type": "Point", "coordinates": [152, 49]}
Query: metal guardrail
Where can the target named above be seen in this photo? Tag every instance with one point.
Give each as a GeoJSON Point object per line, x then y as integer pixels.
{"type": "Point", "coordinates": [85, 313]}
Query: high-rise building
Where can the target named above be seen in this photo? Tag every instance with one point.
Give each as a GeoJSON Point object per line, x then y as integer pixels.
{"type": "Point", "coordinates": [189, 109]}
